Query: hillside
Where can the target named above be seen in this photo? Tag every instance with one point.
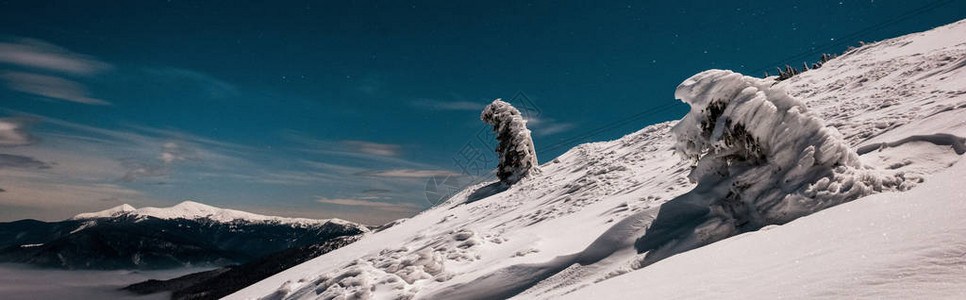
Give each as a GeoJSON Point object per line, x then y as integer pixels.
{"type": "Point", "coordinates": [594, 220]}
{"type": "Point", "coordinates": [220, 282]}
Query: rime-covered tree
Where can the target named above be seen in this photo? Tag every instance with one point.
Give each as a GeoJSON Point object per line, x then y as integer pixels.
{"type": "Point", "coordinates": [759, 157]}
{"type": "Point", "coordinates": [517, 155]}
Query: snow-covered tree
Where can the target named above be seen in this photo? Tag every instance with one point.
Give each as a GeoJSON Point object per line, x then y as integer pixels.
{"type": "Point", "coordinates": [759, 158]}
{"type": "Point", "coordinates": [517, 155]}
{"type": "Point", "coordinates": [781, 159]}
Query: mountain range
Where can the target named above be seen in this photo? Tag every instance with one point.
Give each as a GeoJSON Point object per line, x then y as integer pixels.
{"type": "Point", "coordinates": [186, 234]}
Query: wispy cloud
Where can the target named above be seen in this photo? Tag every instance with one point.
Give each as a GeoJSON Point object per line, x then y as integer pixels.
{"type": "Point", "coordinates": [183, 78]}
{"type": "Point", "coordinates": [191, 139]}
{"type": "Point", "coordinates": [51, 87]}
{"type": "Point", "coordinates": [37, 54]}
{"type": "Point", "coordinates": [448, 105]}
{"type": "Point", "coordinates": [402, 207]}
{"type": "Point", "coordinates": [139, 169]}
{"type": "Point", "coordinates": [43, 69]}
{"type": "Point", "coordinates": [21, 161]}
{"type": "Point", "coordinates": [128, 163]}
{"type": "Point", "coordinates": [171, 153]}
{"type": "Point", "coordinates": [368, 150]}
{"type": "Point", "coordinates": [13, 132]}
{"type": "Point", "coordinates": [40, 187]}
{"type": "Point", "coordinates": [408, 173]}
{"type": "Point", "coordinates": [373, 148]}
{"type": "Point", "coordinates": [54, 197]}
{"type": "Point", "coordinates": [76, 167]}
{"type": "Point", "coordinates": [297, 178]}
{"type": "Point", "coordinates": [547, 126]}
{"type": "Point", "coordinates": [331, 168]}
{"type": "Point", "coordinates": [138, 151]}
{"type": "Point", "coordinates": [52, 72]}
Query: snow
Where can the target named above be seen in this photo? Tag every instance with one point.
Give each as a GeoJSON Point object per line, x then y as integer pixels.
{"type": "Point", "coordinates": [759, 158]}
{"type": "Point", "coordinates": [889, 245]}
{"type": "Point", "coordinates": [896, 106]}
{"type": "Point", "coordinates": [107, 213]}
{"type": "Point", "coordinates": [558, 212]}
{"type": "Point", "coordinates": [193, 211]}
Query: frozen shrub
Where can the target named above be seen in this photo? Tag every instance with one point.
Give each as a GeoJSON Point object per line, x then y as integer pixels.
{"type": "Point", "coordinates": [517, 155]}
{"type": "Point", "coordinates": [775, 153]}
{"type": "Point", "coordinates": [789, 72]}
{"type": "Point", "coordinates": [759, 158]}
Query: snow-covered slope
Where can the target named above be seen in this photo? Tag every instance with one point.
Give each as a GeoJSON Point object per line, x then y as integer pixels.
{"type": "Point", "coordinates": [898, 104]}
{"type": "Point", "coordinates": [909, 245]}
{"type": "Point", "coordinates": [193, 210]}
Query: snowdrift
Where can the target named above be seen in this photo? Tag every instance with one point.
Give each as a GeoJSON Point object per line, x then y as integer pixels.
{"type": "Point", "coordinates": [599, 219]}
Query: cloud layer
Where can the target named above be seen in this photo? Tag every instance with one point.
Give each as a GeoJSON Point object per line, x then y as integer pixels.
{"type": "Point", "coordinates": [547, 126]}
{"type": "Point", "coordinates": [373, 148]}
{"type": "Point", "coordinates": [78, 167]}
{"type": "Point", "coordinates": [397, 207]}
{"type": "Point", "coordinates": [21, 161]}
{"type": "Point", "coordinates": [51, 87]}
{"type": "Point", "coordinates": [408, 173]}
{"type": "Point", "coordinates": [13, 132]}
{"type": "Point", "coordinates": [37, 54]}
{"type": "Point", "coordinates": [46, 70]}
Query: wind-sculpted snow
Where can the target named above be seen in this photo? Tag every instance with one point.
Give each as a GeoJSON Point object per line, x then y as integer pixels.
{"type": "Point", "coordinates": [515, 279]}
{"type": "Point", "coordinates": [759, 158]}
{"type": "Point", "coordinates": [362, 277]}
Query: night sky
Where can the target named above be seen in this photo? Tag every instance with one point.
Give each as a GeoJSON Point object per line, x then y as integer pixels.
{"type": "Point", "coordinates": [347, 108]}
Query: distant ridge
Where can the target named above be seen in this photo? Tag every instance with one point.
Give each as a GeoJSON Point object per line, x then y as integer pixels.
{"type": "Point", "coordinates": [191, 210]}
{"type": "Point", "coordinates": [186, 234]}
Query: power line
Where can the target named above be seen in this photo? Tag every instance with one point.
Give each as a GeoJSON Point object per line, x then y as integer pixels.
{"type": "Point", "coordinates": [606, 127]}
{"type": "Point", "coordinates": [846, 39]}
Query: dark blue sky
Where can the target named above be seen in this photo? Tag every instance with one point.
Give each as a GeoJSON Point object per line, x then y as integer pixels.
{"type": "Point", "coordinates": [346, 108]}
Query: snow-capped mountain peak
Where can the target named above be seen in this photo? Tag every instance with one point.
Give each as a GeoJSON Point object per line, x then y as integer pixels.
{"type": "Point", "coordinates": [186, 234]}
{"type": "Point", "coordinates": [107, 213]}
{"type": "Point", "coordinates": [193, 211]}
